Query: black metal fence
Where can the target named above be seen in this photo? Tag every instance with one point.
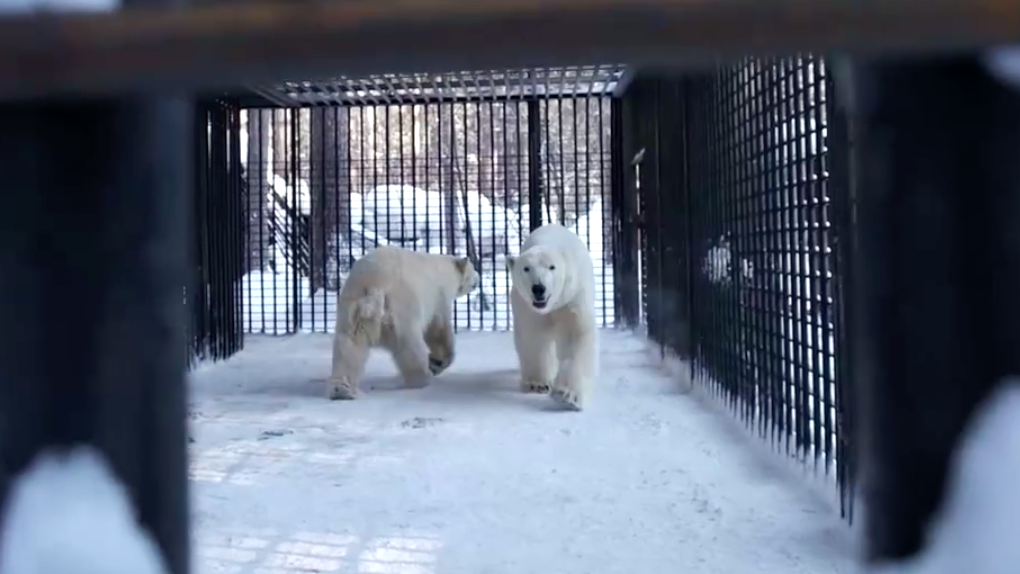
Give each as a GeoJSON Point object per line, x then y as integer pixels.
{"type": "Point", "coordinates": [469, 176]}
{"type": "Point", "coordinates": [213, 296]}
{"type": "Point", "coordinates": [740, 266]}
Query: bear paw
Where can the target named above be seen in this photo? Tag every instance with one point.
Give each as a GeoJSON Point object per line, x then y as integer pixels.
{"type": "Point", "coordinates": [341, 390]}
{"type": "Point", "coordinates": [567, 398]}
{"type": "Point", "coordinates": [439, 364]}
{"type": "Point", "coordinates": [417, 381]}
{"type": "Point", "coordinates": [535, 387]}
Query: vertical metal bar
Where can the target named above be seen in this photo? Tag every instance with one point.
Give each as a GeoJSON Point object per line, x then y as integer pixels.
{"type": "Point", "coordinates": [336, 233]}
{"type": "Point", "coordinates": [294, 308]}
{"type": "Point", "coordinates": [428, 180]}
{"type": "Point", "coordinates": [414, 178]}
{"type": "Point", "coordinates": [349, 206]}
{"type": "Point", "coordinates": [386, 167]}
{"type": "Point", "coordinates": [262, 167]}
{"type": "Point", "coordinates": [535, 191]}
{"type": "Point", "coordinates": [362, 167]}
{"type": "Point", "coordinates": [492, 205]}
{"type": "Point", "coordinates": [477, 225]}
{"type": "Point", "coordinates": [841, 194]}
{"type": "Point", "coordinates": [201, 199]}
{"type": "Point", "coordinates": [249, 267]}
{"type": "Point", "coordinates": [622, 223]}
{"type": "Point", "coordinates": [469, 238]}
{"type": "Point", "coordinates": [375, 178]}
{"type": "Point", "coordinates": [506, 203]}
{"type": "Point", "coordinates": [548, 163]}
{"type": "Point", "coordinates": [240, 222]}
{"type": "Point", "coordinates": [112, 221]}
{"type": "Point", "coordinates": [217, 162]}
{"type": "Point", "coordinates": [275, 230]}
{"type": "Point", "coordinates": [403, 198]}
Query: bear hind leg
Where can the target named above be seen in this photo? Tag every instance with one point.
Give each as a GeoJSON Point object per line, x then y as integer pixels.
{"type": "Point", "coordinates": [349, 358]}
{"type": "Point", "coordinates": [411, 355]}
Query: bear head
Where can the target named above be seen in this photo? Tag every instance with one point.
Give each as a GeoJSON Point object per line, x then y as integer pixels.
{"type": "Point", "coordinates": [468, 277]}
{"type": "Point", "coordinates": [538, 274]}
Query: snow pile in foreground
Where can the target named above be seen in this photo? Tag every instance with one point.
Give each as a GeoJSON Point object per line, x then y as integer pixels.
{"type": "Point", "coordinates": [976, 530]}
{"type": "Point", "coordinates": [68, 514]}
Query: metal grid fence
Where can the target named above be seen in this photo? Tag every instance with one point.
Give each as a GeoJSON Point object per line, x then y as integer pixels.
{"type": "Point", "coordinates": [212, 298]}
{"type": "Point", "coordinates": [470, 175]}
{"type": "Point", "coordinates": [738, 246]}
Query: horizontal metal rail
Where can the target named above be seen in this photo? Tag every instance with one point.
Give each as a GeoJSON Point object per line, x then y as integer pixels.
{"type": "Point", "coordinates": [220, 45]}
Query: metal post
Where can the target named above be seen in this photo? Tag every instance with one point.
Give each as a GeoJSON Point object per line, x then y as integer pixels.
{"type": "Point", "coordinates": [939, 271]}
{"type": "Point", "coordinates": [534, 164]}
{"type": "Point", "coordinates": [94, 262]}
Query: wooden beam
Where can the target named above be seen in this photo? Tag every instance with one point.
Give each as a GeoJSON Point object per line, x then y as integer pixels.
{"type": "Point", "coordinates": [227, 45]}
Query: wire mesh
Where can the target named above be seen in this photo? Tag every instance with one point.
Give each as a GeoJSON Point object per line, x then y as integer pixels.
{"type": "Point", "coordinates": [213, 297]}
{"type": "Point", "coordinates": [423, 88]}
{"type": "Point", "coordinates": [460, 177]}
{"type": "Point", "coordinates": [737, 245]}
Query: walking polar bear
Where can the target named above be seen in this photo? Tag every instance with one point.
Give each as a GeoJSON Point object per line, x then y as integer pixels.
{"type": "Point", "coordinates": [398, 300]}
{"type": "Point", "coordinates": [553, 302]}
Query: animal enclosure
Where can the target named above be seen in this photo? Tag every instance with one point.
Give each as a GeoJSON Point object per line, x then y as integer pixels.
{"type": "Point", "coordinates": [462, 164]}
{"type": "Point", "coordinates": [715, 206]}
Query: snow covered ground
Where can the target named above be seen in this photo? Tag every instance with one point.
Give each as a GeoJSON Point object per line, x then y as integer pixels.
{"type": "Point", "coordinates": [469, 476]}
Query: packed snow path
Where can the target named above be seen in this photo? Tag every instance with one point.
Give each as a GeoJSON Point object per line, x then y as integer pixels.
{"type": "Point", "coordinates": [470, 476]}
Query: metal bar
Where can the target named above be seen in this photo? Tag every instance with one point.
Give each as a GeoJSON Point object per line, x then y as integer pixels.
{"type": "Point", "coordinates": [534, 164]}
{"type": "Point", "coordinates": [492, 204]}
{"type": "Point", "coordinates": [506, 196]}
{"type": "Point", "coordinates": [294, 217]}
{"type": "Point", "coordinates": [200, 278]}
{"type": "Point", "coordinates": [348, 144]}
{"type": "Point", "coordinates": [624, 82]}
{"type": "Point", "coordinates": [220, 45]}
{"type": "Point", "coordinates": [112, 221]}
{"type": "Point", "coordinates": [939, 273]}
{"type": "Point", "coordinates": [841, 192]}
{"type": "Point", "coordinates": [616, 210]}
{"type": "Point", "coordinates": [239, 220]}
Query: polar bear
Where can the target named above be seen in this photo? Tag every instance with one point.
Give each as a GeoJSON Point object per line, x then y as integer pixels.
{"type": "Point", "coordinates": [553, 302]}
{"type": "Point", "coordinates": [398, 300]}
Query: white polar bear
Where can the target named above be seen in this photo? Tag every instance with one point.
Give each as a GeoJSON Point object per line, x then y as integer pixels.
{"type": "Point", "coordinates": [553, 302]}
{"type": "Point", "coordinates": [401, 301]}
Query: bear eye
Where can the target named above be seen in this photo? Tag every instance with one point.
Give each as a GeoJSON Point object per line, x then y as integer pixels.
{"type": "Point", "coordinates": [552, 268]}
{"type": "Point", "coordinates": [527, 269]}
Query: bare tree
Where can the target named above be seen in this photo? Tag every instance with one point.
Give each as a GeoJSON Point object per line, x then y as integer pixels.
{"type": "Point", "coordinates": [330, 202]}
{"type": "Point", "coordinates": [281, 142]}
{"type": "Point", "coordinates": [258, 228]}
{"type": "Point", "coordinates": [460, 177]}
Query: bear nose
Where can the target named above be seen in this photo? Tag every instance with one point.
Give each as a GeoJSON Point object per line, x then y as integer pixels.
{"type": "Point", "coordinates": [538, 291]}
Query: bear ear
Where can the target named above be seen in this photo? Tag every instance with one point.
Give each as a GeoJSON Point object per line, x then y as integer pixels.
{"type": "Point", "coordinates": [510, 260]}
{"type": "Point", "coordinates": [463, 264]}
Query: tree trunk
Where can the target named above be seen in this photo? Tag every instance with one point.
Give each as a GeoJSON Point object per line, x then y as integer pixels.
{"type": "Point", "coordinates": [281, 143]}
{"type": "Point", "coordinates": [330, 195]}
{"type": "Point", "coordinates": [258, 228]}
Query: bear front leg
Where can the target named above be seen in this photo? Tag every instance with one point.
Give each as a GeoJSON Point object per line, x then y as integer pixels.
{"type": "Point", "coordinates": [349, 358]}
{"type": "Point", "coordinates": [534, 344]}
{"type": "Point", "coordinates": [439, 339]}
{"type": "Point", "coordinates": [411, 355]}
{"type": "Point", "coordinates": [576, 350]}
